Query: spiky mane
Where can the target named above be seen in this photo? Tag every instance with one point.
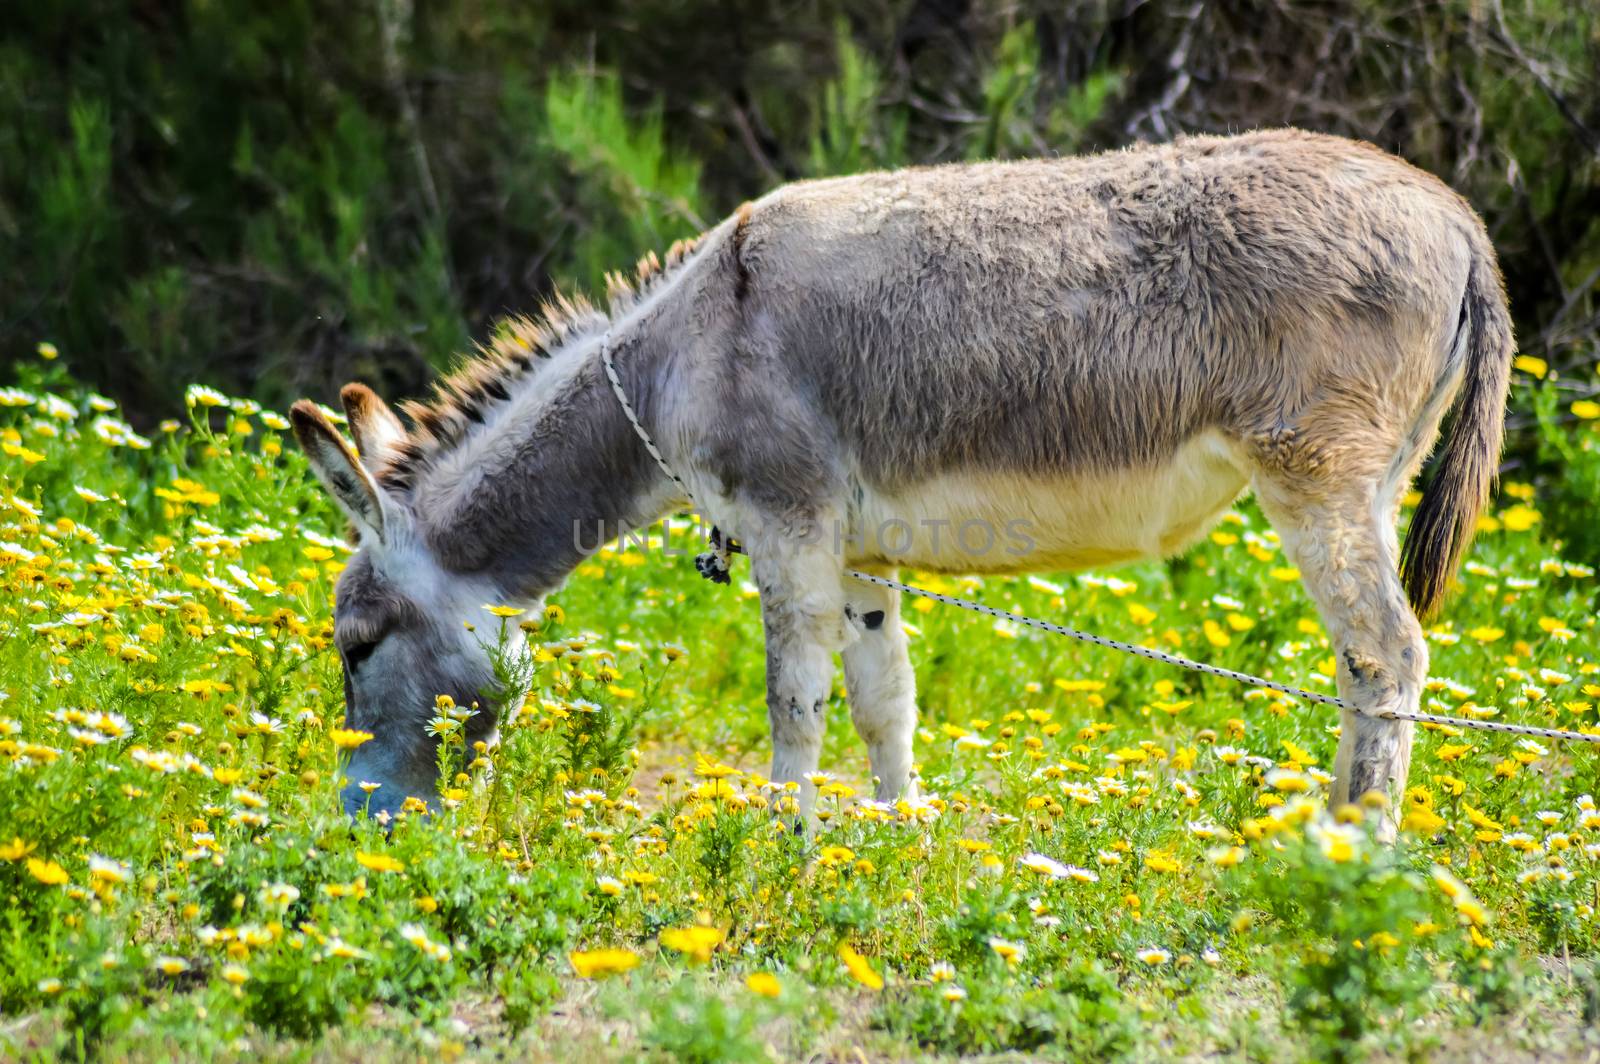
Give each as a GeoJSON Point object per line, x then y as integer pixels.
{"type": "Point", "coordinates": [516, 350]}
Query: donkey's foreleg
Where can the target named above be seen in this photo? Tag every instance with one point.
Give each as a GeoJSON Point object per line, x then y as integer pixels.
{"type": "Point", "coordinates": [802, 609]}
{"type": "Point", "coordinates": [1346, 559]}
{"type": "Point", "coordinates": [882, 687]}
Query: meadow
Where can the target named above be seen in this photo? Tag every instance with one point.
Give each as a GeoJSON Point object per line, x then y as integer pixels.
{"type": "Point", "coordinates": [1108, 859]}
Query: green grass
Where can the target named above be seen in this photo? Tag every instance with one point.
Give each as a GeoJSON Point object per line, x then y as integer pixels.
{"type": "Point", "coordinates": [178, 879]}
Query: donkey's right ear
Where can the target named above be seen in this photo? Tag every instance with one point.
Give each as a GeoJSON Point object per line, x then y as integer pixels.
{"type": "Point", "coordinates": [378, 432]}
{"type": "Point", "coordinates": [336, 466]}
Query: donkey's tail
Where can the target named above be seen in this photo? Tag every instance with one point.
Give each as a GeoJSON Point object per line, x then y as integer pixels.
{"type": "Point", "coordinates": [1443, 526]}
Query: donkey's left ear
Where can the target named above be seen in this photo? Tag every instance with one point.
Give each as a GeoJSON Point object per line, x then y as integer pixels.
{"type": "Point", "coordinates": [335, 464]}
{"type": "Point", "coordinates": [378, 432]}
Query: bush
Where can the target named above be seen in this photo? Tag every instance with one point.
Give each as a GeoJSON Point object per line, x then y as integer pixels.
{"type": "Point", "coordinates": [212, 192]}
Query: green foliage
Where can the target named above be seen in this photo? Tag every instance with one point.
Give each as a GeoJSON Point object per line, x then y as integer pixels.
{"type": "Point", "coordinates": [174, 861]}
{"type": "Point", "coordinates": [853, 130]}
{"type": "Point", "coordinates": [1075, 1013]}
{"type": "Point", "coordinates": [1361, 971]}
{"type": "Point", "coordinates": [633, 193]}
{"type": "Point", "coordinates": [220, 193]}
{"type": "Point", "coordinates": [694, 1024]}
{"type": "Point", "coordinates": [1023, 116]}
{"type": "Point", "coordinates": [1573, 460]}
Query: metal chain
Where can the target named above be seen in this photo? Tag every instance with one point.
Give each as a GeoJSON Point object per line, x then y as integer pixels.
{"type": "Point", "coordinates": [1213, 670]}
{"type": "Point", "coordinates": [633, 419]}
{"type": "Point", "coordinates": [1085, 637]}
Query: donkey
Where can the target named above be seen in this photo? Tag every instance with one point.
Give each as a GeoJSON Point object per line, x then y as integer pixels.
{"type": "Point", "coordinates": [1110, 349]}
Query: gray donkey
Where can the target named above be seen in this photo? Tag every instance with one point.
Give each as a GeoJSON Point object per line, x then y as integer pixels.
{"type": "Point", "coordinates": [1018, 366]}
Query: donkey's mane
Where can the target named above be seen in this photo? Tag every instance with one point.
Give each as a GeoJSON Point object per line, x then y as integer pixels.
{"type": "Point", "coordinates": [517, 350]}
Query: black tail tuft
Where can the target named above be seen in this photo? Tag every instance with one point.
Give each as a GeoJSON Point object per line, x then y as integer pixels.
{"type": "Point", "coordinates": [1443, 526]}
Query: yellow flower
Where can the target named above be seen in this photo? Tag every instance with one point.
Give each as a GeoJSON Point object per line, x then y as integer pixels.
{"type": "Point", "coordinates": [835, 855]}
{"type": "Point", "coordinates": [859, 969]}
{"type": "Point", "coordinates": [108, 871]}
{"type": "Point", "coordinates": [1161, 861]}
{"type": "Point", "coordinates": [28, 456]}
{"type": "Point", "coordinates": [348, 739]}
{"type": "Point", "coordinates": [1422, 821]}
{"type": "Point", "coordinates": [705, 768]}
{"type": "Point", "coordinates": [1225, 856]}
{"type": "Point", "coordinates": [1474, 913]}
{"type": "Point", "coordinates": [1534, 367]}
{"type": "Point", "coordinates": [16, 849]}
{"type": "Point", "coordinates": [47, 872]}
{"type": "Point", "coordinates": [1587, 409]}
{"type": "Point", "coordinates": [1289, 782]}
{"type": "Point", "coordinates": [504, 611]}
{"type": "Point", "coordinates": [1299, 754]}
{"type": "Point", "coordinates": [694, 942]}
{"type": "Point", "coordinates": [600, 963]}
{"type": "Point", "coordinates": [1453, 751]}
{"type": "Point", "coordinates": [234, 974]}
{"type": "Point", "coordinates": [764, 983]}
{"type": "Point", "coordinates": [1519, 518]}
{"type": "Point", "coordinates": [380, 862]}
{"type": "Point", "coordinates": [1338, 842]}
{"type": "Point", "coordinates": [205, 688]}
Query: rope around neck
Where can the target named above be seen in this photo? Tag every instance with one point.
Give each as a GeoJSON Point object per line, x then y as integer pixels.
{"type": "Point", "coordinates": [714, 566]}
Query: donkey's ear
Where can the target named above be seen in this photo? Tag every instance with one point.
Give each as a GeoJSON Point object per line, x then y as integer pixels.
{"type": "Point", "coordinates": [378, 432]}
{"type": "Point", "coordinates": [335, 464]}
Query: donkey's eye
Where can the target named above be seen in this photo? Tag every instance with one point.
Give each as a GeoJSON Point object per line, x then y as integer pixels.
{"type": "Point", "coordinates": [355, 655]}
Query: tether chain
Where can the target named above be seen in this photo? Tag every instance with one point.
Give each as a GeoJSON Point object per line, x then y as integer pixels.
{"type": "Point", "coordinates": [714, 566]}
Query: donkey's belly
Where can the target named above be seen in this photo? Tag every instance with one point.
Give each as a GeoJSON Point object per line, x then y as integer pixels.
{"type": "Point", "coordinates": [1014, 522]}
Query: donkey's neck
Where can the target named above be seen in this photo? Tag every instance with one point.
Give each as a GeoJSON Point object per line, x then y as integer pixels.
{"type": "Point", "coordinates": [551, 474]}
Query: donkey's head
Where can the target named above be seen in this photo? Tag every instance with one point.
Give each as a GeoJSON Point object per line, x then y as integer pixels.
{"type": "Point", "coordinates": [404, 626]}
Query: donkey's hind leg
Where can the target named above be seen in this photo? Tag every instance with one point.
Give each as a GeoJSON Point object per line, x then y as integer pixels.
{"type": "Point", "coordinates": [1341, 536]}
{"type": "Point", "coordinates": [882, 687]}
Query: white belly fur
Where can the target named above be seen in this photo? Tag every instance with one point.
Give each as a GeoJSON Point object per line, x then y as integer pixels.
{"type": "Point", "coordinates": [1037, 524]}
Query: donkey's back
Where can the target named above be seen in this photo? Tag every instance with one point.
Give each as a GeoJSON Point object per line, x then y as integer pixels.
{"type": "Point", "coordinates": [1120, 341]}
{"type": "Point", "coordinates": [1094, 314]}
